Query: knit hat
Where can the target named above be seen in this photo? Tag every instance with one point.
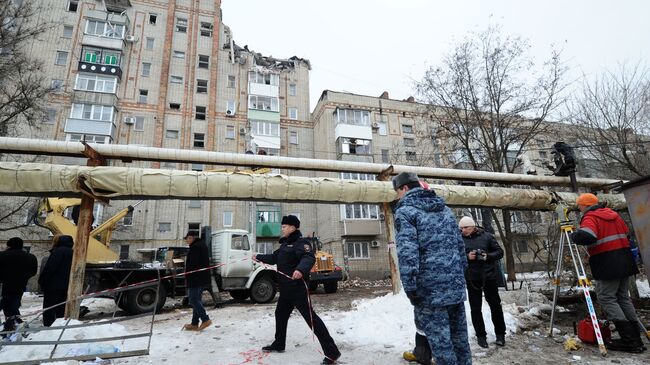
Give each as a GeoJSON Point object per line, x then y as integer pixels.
{"type": "Point", "coordinates": [404, 178]}
{"type": "Point", "coordinates": [466, 222]}
{"type": "Point", "coordinates": [291, 220]}
{"type": "Point", "coordinates": [15, 242]}
{"type": "Point", "coordinates": [587, 199]}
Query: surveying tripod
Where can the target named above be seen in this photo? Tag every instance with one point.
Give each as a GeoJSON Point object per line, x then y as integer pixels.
{"type": "Point", "coordinates": [566, 228]}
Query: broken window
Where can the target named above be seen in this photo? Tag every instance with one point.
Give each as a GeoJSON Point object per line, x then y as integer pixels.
{"type": "Point", "coordinates": [181, 25]}
{"type": "Point", "coordinates": [142, 97]}
{"type": "Point", "coordinates": [354, 146]}
{"type": "Point", "coordinates": [264, 78]}
{"type": "Point", "coordinates": [72, 5]}
{"type": "Point", "coordinates": [206, 29]}
{"type": "Point", "coordinates": [176, 106]}
{"type": "Point", "coordinates": [267, 103]}
{"type": "Point", "coordinates": [407, 128]}
{"type": "Point", "coordinates": [152, 18]}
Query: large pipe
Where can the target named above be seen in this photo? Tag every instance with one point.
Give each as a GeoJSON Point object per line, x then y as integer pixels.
{"type": "Point", "coordinates": [31, 179]}
{"type": "Point", "coordinates": [131, 152]}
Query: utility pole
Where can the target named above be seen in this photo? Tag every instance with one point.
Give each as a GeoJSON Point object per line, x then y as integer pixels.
{"type": "Point", "coordinates": [389, 220]}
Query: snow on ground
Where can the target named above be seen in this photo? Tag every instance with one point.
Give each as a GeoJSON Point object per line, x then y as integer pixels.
{"type": "Point", "coordinates": [644, 288]}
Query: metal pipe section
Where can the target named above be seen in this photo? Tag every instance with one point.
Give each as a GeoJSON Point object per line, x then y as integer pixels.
{"type": "Point", "coordinates": [131, 152]}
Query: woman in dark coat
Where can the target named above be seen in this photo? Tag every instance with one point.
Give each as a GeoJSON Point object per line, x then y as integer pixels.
{"type": "Point", "coordinates": [54, 278]}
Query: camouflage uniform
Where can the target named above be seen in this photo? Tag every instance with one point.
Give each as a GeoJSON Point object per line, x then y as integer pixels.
{"type": "Point", "coordinates": [432, 262]}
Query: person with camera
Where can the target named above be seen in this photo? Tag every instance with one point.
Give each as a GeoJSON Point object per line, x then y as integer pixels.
{"type": "Point", "coordinates": [483, 254]}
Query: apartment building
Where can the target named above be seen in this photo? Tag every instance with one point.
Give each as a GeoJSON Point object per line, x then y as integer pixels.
{"type": "Point", "coordinates": [169, 74]}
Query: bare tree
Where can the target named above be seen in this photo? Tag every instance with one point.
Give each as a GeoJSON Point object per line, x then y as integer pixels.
{"type": "Point", "coordinates": [613, 110]}
{"type": "Point", "coordinates": [486, 98]}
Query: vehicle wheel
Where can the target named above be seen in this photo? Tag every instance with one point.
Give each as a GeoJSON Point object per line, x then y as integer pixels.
{"type": "Point", "coordinates": [240, 294]}
{"type": "Point", "coordinates": [142, 300]}
{"type": "Point", "coordinates": [263, 290]}
{"type": "Point", "coordinates": [331, 286]}
{"type": "Point", "coordinates": [120, 300]}
{"type": "Point", "coordinates": [313, 286]}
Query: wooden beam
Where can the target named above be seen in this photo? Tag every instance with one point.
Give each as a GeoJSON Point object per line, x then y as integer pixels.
{"type": "Point", "coordinates": [389, 221]}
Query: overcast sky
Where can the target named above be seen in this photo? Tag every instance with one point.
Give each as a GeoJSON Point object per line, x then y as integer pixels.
{"type": "Point", "coordinates": [368, 46]}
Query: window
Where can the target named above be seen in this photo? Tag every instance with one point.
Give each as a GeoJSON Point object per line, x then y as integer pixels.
{"type": "Point", "coordinates": [139, 123]}
{"type": "Point", "coordinates": [267, 79]}
{"type": "Point", "coordinates": [361, 211]}
{"type": "Point", "coordinates": [352, 116]}
{"type": "Point", "coordinates": [67, 31]}
{"type": "Point", "coordinates": [61, 58]}
{"type": "Point", "coordinates": [199, 140]}
{"type": "Point", "coordinates": [171, 134]}
{"type": "Point", "coordinates": [265, 248]}
{"type": "Point", "coordinates": [92, 112]}
{"type": "Point", "coordinates": [293, 137]}
{"type": "Point", "coordinates": [231, 81]}
{"type": "Point", "coordinates": [181, 25]}
{"type": "Point", "coordinates": [179, 54]}
{"type": "Point", "coordinates": [384, 156]}
{"type": "Point", "coordinates": [267, 103]}
{"type": "Point", "coordinates": [543, 155]}
{"type": "Point", "coordinates": [354, 146]}
{"type": "Point", "coordinates": [75, 137]}
{"type": "Point", "coordinates": [57, 85]}
{"type": "Point", "coordinates": [358, 250]}
{"type": "Point", "coordinates": [409, 142]}
{"type": "Point", "coordinates": [411, 156]}
{"type": "Point", "coordinates": [196, 167]}
{"type": "Point", "coordinates": [407, 128]}
{"type": "Point", "coordinates": [128, 219]}
{"type": "Point", "coordinates": [200, 113]}
{"type": "Point", "coordinates": [230, 132]}
{"type": "Point", "coordinates": [50, 116]}
{"type": "Point", "coordinates": [149, 43]}
{"type": "Point", "coordinates": [201, 86]}
{"type": "Point", "coordinates": [175, 106]}
{"type": "Point", "coordinates": [103, 29]}
{"type": "Point", "coordinates": [522, 246]}
{"type": "Point", "coordinates": [194, 228]}
{"type": "Point", "coordinates": [204, 61]}
{"type": "Point", "coordinates": [169, 165]}
{"type": "Point", "coordinates": [227, 219]}
{"type": "Point", "coordinates": [239, 242]}
{"type": "Point", "coordinates": [206, 29]}
{"type": "Point", "coordinates": [176, 79]}
{"type": "Point", "coordinates": [124, 252]}
{"type": "Point", "coordinates": [293, 113]}
{"type": "Point", "coordinates": [230, 105]}
{"type": "Point", "coordinates": [269, 216]}
{"type": "Point", "coordinates": [146, 69]}
{"type": "Point", "coordinates": [101, 84]}
{"type": "Point", "coordinates": [194, 204]}
{"type": "Point", "coordinates": [164, 227]}
{"type": "Point", "coordinates": [292, 89]}
{"type": "Point", "coordinates": [72, 5]}
{"type": "Point", "coordinates": [264, 128]}
{"type": "Point", "coordinates": [152, 18]}
{"type": "Point", "coordinates": [142, 97]}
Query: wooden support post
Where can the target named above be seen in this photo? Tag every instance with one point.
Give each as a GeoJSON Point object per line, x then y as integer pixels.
{"type": "Point", "coordinates": [389, 221]}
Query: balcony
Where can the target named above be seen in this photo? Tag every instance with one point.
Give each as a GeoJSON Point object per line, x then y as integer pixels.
{"type": "Point", "coordinates": [267, 229]}
{"type": "Point", "coordinates": [354, 158]}
{"type": "Point", "coordinates": [255, 88]}
{"type": "Point", "coordinates": [112, 70]}
{"type": "Point", "coordinates": [353, 131]}
{"type": "Point", "coordinates": [91, 97]}
{"type": "Point", "coordinates": [110, 17]}
{"type": "Point", "coordinates": [268, 222]}
{"type": "Point", "coordinates": [88, 126]}
{"type": "Point", "coordinates": [269, 116]}
{"type": "Point", "coordinates": [103, 42]}
{"type": "Point", "coordinates": [362, 227]}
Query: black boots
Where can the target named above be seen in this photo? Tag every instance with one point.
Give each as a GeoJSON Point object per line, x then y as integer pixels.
{"type": "Point", "coordinates": [630, 340]}
{"type": "Point", "coordinates": [273, 348]}
{"type": "Point", "coordinates": [482, 341]}
{"type": "Point", "coordinates": [422, 351]}
{"type": "Point", "coordinates": [501, 340]}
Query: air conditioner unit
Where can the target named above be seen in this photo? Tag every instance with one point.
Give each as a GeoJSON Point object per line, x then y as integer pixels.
{"type": "Point", "coordinates": [242, 131]}
{"type": "Point", "coordinates": [382, 217]}
{"type": "Point", "coordinates": [230, 113]}
{"type": "Point", "coordinates": [131, 38]}
{"type": "Point", "coordinates": [375, 125]}
{"type": "Point", "coordinates": [129, 120]}
{"type": "Point", "coordinates": [374, 244]}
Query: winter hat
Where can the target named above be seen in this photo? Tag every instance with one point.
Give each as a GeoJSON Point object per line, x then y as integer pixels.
{"type": "Point", "coordinates": [291, 220]}
{"type": "Point", "coordinates": [587, 199]}
{"type": "Point", "coordinates": [466, 222]}
{"type": "Point", "coordinates": [15, 242]}
{"type": "Point", "coordinates": [404, 178]}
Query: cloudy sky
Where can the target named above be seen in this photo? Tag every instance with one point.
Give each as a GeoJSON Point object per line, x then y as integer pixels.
{"type": "Point", "coordinates": [368, 46]}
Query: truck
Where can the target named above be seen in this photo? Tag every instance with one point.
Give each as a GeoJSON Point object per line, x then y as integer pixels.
{"type": "Point", "coordinates": [230, 251]}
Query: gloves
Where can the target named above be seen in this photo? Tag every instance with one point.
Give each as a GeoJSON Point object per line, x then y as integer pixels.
{"type": "Point", "coordinates": [413, 297]}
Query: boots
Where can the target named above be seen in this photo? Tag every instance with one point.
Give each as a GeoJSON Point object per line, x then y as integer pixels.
{"type": "Point", "coordinates": [273, 348]}
{"type": "Point", "coordinates": [482, 341]}
{"type": "Point", "coordinates": [422, 351]}
{"type": "Point", "coordinates": [630, 340]}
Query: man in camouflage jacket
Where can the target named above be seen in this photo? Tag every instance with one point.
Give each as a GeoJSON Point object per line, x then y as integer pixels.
{"type": "Point", "coordinates": [432, 263]}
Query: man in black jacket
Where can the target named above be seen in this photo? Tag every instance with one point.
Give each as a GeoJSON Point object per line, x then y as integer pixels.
{"type": "Point", "coordinates": [54, 278]}
{"type": "Point", "coordinates": [197, 258]}
{"type": "Point", "coordinates": [295, 259]}
{"type": "Point", "coordinates": [483, 253]}
{"type": "Point", "coordinates": [16, 267]}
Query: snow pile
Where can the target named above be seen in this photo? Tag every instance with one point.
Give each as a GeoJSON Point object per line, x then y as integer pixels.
{"type": "Point", "coordinates": [644, 288]}
{"type": "Point", "coordinates": [16, 353]}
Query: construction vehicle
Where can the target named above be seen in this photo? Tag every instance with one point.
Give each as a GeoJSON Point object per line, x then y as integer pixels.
{"type": "Point", "coordinates": [324, 271]}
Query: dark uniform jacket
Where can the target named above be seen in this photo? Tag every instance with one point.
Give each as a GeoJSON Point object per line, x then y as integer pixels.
{"type": "Point", "coordinates": [198, 258]}
{"type": "Point", "coordinates": [294, 254]}
{"type": "Point", "coordinates": [479, 270]}
{"type": "Point", "coordinates": [604, 233]}
{"type": "Point", "coordinates": [55, 275]}
{"type": "Point", "coordinates": [16, 267]}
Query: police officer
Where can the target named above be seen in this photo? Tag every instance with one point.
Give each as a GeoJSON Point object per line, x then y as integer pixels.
{"type": "Point", "coordinates": [295, 259]}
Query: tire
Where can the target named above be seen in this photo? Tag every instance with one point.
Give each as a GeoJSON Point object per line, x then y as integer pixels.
{"type": "Point", "coordinates": [240, 294]}
{"type": "Point", "coordinates": [331, 286]}
{"type": "Point", "coordinates": [120, 300]}
{"type": "Point", "coordinates": [313, 286]}
{"type": "Point", "coordinates": [142, 300]}
{"type": "Point", "coordinates": [263, 290]}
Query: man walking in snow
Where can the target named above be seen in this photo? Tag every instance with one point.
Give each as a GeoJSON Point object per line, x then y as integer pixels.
{"type": "Point", "coordinates": [16, 267]}
{"type": "Point", "coordinates": [432, 262]}
{"type": "Point", "coordinates": [604, 233]}
{"type": "Point", "coordinates": [295, 259]}
{"type": "Point", "coordinates": [197, 258]}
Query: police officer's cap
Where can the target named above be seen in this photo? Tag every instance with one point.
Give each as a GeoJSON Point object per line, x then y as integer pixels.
{"type": "Point", "coordinates": [404, 178]}
{"type": "Point", "coordinates": [291, 220]}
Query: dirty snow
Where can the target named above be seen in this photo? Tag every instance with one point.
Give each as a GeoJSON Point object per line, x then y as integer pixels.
{"type": "Point", "coordinates": [644, 288]}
